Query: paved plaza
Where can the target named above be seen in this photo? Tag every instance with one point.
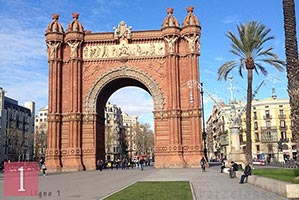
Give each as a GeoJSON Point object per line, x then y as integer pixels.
{"type": "Point", "coordinates": [94, 185]}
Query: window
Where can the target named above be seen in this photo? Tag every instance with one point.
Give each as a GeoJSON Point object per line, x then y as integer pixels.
{"type": "Point", "coordinates": [268, 124]}
{"type": "Point", "coordinates": [282, 124]}
{"type": "Point", "coordinates": [256, 137]}
{"type": "Point", "coordinates": [267, 113]}
{"type": "Point", "coordinates": [257, 147]}
{"type": "Point", "coordinates": [281, 112]}
{"type": "Point", "coordinates": [255, 126]}
{"type": "Point", "coordinates": [254, 115]}
{"type": "Point", "coordinates": [283, 135]}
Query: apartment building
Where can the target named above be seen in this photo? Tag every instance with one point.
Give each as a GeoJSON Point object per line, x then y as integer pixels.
{"type": "Point", "coordinates": [40, 132]}
{"type": "Point", "coordinates": [130, 125]}
{"type": "Point", "coordinates": [271, 129]}
{"type": "Point", "coordinates": [16, 129]}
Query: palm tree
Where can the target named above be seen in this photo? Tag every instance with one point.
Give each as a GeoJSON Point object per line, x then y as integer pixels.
{"type": "Point", "coordinates": [248, 48]}
{"type": "Point", "coordinates": [291, 50]}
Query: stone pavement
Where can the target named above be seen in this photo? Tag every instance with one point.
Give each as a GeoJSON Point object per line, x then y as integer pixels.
{"type": "Point", "coordinates": [94, 185]}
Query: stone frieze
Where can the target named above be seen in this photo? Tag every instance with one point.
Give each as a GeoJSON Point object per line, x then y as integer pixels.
{"type": "Point", "coordinates": [123, 50]}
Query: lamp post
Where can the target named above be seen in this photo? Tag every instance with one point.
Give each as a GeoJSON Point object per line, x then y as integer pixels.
{"type": "Point", "coordinates": [204, 134]}
{"type": "Point", "coordinates": [190, 84]}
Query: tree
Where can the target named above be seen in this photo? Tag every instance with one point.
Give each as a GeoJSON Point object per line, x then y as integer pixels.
{"type": "Point", "coordinates": [248, 48]}
{"type": "Point", "coordinates": [292, 65]}
{"type": "Point", "coordinates": [40, 140]}
{"type": "Point", "coordinates": [143, 138]}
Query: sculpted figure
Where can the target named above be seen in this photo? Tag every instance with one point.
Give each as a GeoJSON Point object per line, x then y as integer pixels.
{"type": "Point", "coordinates": [74, 47]}
{"type": "Point", "coordinates": [171, 43]}
{"type": "Point", "coordinates": [52, 48]}
{"type": "Point", "coordinates": [192, 41]}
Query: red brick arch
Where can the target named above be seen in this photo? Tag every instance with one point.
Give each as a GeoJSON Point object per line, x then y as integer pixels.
{"type": "Point", "coordinates": [121, 73]}
{"type": "Point", "coordinates": [86, 68]}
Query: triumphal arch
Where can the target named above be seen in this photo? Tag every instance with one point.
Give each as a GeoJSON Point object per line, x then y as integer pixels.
{"type": "Point", "coordinates": [86, 68]}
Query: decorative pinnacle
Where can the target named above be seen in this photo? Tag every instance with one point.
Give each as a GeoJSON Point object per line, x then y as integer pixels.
{"type": "Point", "coordinates": [75, 15]}
{"type": "Point", "coordinates": [190, 9]}
{"type": "Point", "coordinates": [169, 10]}
{"type": "Point", "coordinates": [55, 16]}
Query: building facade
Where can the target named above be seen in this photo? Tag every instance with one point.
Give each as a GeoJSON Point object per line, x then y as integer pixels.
{"type": "Point", "coordinates": [115, 145]}
{"type": "Point", "coordinates": [130, 125]}
{"type": "Point", "coordinates": [40, 133]}
{"type": "Point", "coordinates": [271, 129]}
{"type": "Point", "coordinates": [16, 129]}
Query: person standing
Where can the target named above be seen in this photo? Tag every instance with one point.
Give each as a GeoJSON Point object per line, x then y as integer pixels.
{"type": "Point", "coordinates": [247, 172]}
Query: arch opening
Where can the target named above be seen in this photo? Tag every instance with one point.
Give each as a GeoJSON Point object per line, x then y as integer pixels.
{"type": "Point", "coordinates": [111, 128]}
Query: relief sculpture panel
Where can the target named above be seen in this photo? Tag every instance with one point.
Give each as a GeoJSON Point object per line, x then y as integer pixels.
{"type": "Point", "coordinates": [125, 50]}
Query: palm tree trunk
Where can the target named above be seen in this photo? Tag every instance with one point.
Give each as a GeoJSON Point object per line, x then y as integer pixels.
{"type": "Point", "coordinates": [248, 153]}
{"type": "Point", "coordinates": [291, 50]}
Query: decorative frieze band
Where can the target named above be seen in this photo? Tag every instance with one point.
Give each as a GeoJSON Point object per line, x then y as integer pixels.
{"type": "Point", "coordinates": [71, 151]}
{"type": "Point", "coordinates": [53, 152]}
{"type": "Point", "coordinates": [123, 50]}
{"type": "Point", "coordinates": [170, 148]}
{"type": "Point", "coordinates": [177, 113]}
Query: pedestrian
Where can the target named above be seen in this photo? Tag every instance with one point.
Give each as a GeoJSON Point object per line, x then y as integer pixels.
{"type": "Point", "coordinates": [222, 165]}
{"type": "Point", "coordinates": [141, 162]}
{"type": "Point", "coordinates": [101, 164]}
{"type": "Point", "coordinates": [247, 172]}
{"type": "Point", "coordinates": [44, 168]}
{"type": "Point", "coordinates": [203, 164]}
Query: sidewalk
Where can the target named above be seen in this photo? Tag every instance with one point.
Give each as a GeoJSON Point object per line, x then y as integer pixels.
{"type": "Point", "coordinates": [213, 185]}
{"type": "Point", "coordinates": [94, 185]}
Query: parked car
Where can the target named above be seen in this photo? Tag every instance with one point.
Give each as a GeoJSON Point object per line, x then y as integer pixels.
{"type": "Point", "coordinates": [259, 162]}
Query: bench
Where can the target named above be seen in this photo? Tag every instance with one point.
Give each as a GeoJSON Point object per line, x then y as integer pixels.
{"type": "Point", "coordinates": [281, 188]}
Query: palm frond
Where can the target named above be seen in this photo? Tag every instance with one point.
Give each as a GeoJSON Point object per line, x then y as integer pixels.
{"type": "Point", "coordinates": [225, 69]}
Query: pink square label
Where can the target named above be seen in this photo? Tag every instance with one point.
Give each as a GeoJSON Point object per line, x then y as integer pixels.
{"type": "Point", "coordinates": [20, 179]}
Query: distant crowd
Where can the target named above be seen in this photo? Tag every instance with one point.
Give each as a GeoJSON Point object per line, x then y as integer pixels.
{"type": "Point", "coordinates": [126, 163]}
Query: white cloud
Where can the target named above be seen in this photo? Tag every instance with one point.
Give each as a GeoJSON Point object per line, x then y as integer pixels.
{"type": "Point", "coordinates": [135, 101]}
{"type": "Point", "coordinates": [229, 20]}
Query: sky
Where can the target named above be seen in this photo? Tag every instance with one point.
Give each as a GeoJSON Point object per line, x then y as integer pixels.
{"type": "Point", "coordinates": [23, 51]}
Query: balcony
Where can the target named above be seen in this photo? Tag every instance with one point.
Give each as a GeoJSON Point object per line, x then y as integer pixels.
{"type": "Point", "coordinates": [283, 127]}
{"type": "Point", "coordinates": [284, 139]}
{"type": "Point", "coordinates": [269, 139]}
{"type": "Point", "coordinates": [267, 117]}
{"type": "Point", "coordinates": [263, 128]}
{"type": "Point", "coordinates": [281, 116]}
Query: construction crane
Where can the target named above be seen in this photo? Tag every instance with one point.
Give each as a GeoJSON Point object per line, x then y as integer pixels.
{"type": "Point", "coordinates": [191, 84]}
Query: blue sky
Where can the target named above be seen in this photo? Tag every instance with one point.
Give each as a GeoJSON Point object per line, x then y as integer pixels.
{"type": "Point", "coordinates": [23, 61]}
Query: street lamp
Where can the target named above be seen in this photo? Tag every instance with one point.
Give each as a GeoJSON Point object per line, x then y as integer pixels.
{"type": "Point", "coordinates": [204, 134]}
{"type": "Point", "coordinates": [191, 84]}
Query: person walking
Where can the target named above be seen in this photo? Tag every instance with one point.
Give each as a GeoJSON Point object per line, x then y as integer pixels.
{"type": "Point", "coordinates": [101, 164]}
{"type": "Point", "coordinates": [44, 168]}
{"type": "Point", "coordinates": [203, 164]}
{"type": "Point", "coordinates": [247, 172]}
{"type": "Point", "coordinates": [222, 165]}
{"type": "Point", "coordinates": [141, 162]}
